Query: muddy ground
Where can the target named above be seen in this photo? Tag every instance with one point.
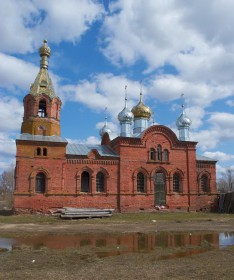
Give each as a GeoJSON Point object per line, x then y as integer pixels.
{"type": "Point", "coordinates": [76, 263]}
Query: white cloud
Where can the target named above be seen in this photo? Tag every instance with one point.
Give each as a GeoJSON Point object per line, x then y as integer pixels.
{"type": "Point", "coordinates": [220, 129]}
{"type": "Point", "coordinates": [101, 91]}
{"type": "Point", "coordinates": [11, 112]}
{"type": "Point", "coordinates": [7, 151]}
{"type": "Point", "coordinates": [170, 33]}
{"type": "Point", "coordinates": [35, 20]}
{"type": "Point", "coordinates": [220, 156]}
{"type": "Point", "coordinates": [16, 73]}
{"type": "Point", "coordinates": [146, 29]}
{"type": "Point", "coordinates": [230, 103]}
{"type": "Point", "coordinates": [92, 140]}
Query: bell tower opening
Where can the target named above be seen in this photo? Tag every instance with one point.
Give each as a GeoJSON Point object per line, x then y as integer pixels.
{"type": "Point", "coordinates": [42, 109]}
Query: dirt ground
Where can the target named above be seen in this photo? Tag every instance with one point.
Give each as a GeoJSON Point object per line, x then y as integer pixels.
{"type": "Point", "coordinates": [75, 263]}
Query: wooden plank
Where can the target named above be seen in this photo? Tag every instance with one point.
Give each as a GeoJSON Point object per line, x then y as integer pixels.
{"type": "Point", "coordinates": [71, 212]}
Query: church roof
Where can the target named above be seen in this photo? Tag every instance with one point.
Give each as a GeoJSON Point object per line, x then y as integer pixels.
{"type": "Point", "coordinates": [202, 158]}
{"type": "Point", "coordinates": [85, 149]}
{"type": "Point", "coordinates": [30, 137]}
{"type": "Point", "coordinates": [43, 83]}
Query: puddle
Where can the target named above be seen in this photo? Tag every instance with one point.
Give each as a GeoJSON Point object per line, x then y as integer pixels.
{"type": "Point", "coordinates": [6, 244]}
{"type": "Point", "coordinates": [226, 239]}
{"type": "Point", "coordinates": [170, 245]}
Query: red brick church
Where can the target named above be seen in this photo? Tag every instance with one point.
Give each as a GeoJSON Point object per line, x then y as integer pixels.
{"type": "Point", "coordinates": [143, 168]}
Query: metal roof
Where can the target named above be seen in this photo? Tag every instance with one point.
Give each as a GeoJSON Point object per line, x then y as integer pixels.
{"type": "Point", "coordinates": [198, 157]}
{"type": "Point", "coordinates": [84, 149]}
{"type": "Point", "coordinates": [30, 137]}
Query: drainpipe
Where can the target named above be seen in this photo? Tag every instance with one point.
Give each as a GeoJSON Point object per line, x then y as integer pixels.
{"type": "Point", "coordinates": [188, 179]}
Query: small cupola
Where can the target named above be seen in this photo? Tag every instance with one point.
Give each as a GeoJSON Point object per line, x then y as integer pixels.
{"type": "Point", "coordinates": [105, 128]}
{"type": "Point", "coordinates": [142, 115]}
{"type": "Point", "coordinates": [125, 118]}
{"type": "Point", "coordinates": [183, 124]}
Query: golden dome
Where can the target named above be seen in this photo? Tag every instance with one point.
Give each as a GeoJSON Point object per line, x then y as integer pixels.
{"type": "Point", "coordinates": [44, 50]}
{"type": "Point", "coordinates": [141, 110]}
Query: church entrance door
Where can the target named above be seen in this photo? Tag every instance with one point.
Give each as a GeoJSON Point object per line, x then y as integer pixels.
{"type": "Point", "coordinates": [159, 189]}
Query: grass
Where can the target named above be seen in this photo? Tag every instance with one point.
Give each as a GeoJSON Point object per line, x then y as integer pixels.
{"type": "Point", "coordinates": [123, 218]}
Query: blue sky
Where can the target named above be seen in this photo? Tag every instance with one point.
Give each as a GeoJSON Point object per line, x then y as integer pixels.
{"type": "Point", "coordinates": [98, 47]}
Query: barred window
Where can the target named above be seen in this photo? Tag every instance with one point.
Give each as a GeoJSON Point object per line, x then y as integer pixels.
{"type": "Point", "coordinates": [40, 183]}
{"type": "Point", "coordinates": [100, 182]}
{"type": "Point", "coordinates": [205, 183]}
{"type": "Point", "coordinates": [140, 182]}
{"type": "Point", "coordinates": [176, 183]}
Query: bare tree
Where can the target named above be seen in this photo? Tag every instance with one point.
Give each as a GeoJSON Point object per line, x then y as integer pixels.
{"type": "Point", "coordinates": [226, 182]}
{"type": "Point", "coordinates": [7, 185]}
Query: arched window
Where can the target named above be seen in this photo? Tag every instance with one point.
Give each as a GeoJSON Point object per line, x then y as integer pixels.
{"type": "Point", "coordinates": [159, 152]}
{"type": "Point", "coordinates": [42, 108]}
{"type": "Point", "coordinates": [140, 182]}
{"type": "Point", "coordinates": [152, 154]}
{"type": "Point", "coordinates": [165, 155]}
{"type": "Point", "coordinates": [205, 183]}
{"type": "Point", "coordinates": [85, 182]}
{"type": "Point", "coordinates": [44, 152]}
{"type": "Point", "coordinates": [38, 151]}
{"type": "Point", "coordinates": [100, 180]}
{"type": "Point", "coordinates": [40, 183]}
{"type": "Point", "coordinates": [176, 183]}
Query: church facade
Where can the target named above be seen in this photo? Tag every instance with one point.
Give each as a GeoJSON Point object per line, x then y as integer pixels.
{"type": "Point", "coordinates": [144, 168]}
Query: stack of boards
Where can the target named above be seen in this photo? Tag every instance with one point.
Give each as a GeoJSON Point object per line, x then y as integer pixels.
{"type": "Point", "coordinates": [74, 213]}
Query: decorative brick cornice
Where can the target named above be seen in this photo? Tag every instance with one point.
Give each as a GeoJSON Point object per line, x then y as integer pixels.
{"type": "Point", "coordinates": [92, 161]}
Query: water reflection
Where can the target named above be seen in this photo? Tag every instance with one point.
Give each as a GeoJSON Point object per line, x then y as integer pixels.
{"type": "Point", "coordinates": [6, 244]}
{"type": "Point", "coordinates": [109, 245]}
{"type": "Point", "coordinates": [226, 239]}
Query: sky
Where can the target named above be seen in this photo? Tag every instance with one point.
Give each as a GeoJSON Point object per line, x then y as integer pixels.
{"type": "Point", "coordinates": [167, 47]}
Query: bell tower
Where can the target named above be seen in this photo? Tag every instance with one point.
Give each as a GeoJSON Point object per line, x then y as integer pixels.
{"type": "Point", "coordinates": [41, 105]}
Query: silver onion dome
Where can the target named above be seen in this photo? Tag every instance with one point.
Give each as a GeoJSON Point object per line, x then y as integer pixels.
{"type": "Point", "coordinates": [125, 115]}
{"type": "Point", "coordinates": [183, 120]}
{"type": "Point", "coordinates": [105, 128]}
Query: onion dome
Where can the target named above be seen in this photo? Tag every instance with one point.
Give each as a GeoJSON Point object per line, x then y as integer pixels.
{"type": "Point", "coordinates": [44, 50]}
{"type": "Point", "coordinates": [105, 128]}
{"type": "Point", "coordinates": [44, 53]}
{"type": "Point", "coordinates": [125, 115]}
{"type": "Point", "coordinates": [183, 121]}
{"type": "Point", "coordinates": [141, 110]}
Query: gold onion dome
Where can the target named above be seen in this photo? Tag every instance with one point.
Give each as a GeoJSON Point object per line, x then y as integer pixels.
{"type": "Point", "coordinates": [45, 49]}
{"type": "Point", "coordinates": [141, 110]}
